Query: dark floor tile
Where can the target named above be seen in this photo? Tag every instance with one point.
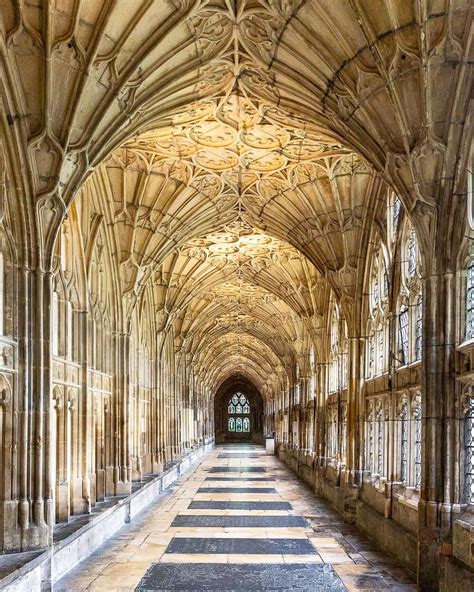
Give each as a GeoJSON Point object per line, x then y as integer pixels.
{"type": "Point", "coordinates": [204, 576]}
{"type": "Point", "coordinates": [191, 520]}
{"type": "Point", "coordinates": [241, 546]}
{"type": "Point", "coordinates": [242, 455]}
{"type": "Point", "coordinates": [224, 505]}
{"type": "Point", "coordinates": [237, 470]}
{"type": "Point", "coordinates": [236, 490]}
{"type": "Point", "coordinates": [240, 479]}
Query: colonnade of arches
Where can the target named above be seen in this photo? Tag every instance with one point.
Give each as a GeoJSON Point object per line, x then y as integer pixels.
{"type": "Point", "coordinates": [267, 198]}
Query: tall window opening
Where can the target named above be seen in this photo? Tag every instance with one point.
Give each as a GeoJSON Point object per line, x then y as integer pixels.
{"type": "Point", "coordinates": [404, 443]}
{"type": "Point", "coordinates": [380, 443]}
{"type": "Point", "coordinates": [378, 318]}
{"type": "Point", "coordinates": [469, 451]}
{"type": "Point", "coordinates": [417, 445]}
{"type": "Point", "coordinates": [410, 311]}
{"type": "Point", "coordinates": [470, 301]}
{"type": "Point", "coordinates": [238, 411]}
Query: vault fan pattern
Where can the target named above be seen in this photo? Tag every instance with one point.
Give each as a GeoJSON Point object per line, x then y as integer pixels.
{"type": "Point", "coordinates": [269, 197]}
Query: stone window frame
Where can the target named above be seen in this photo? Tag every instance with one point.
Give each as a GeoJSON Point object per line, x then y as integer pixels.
{"type": "Point", "coordinates": [369, 464]}
{"type": "Point", "coordinates": [411, 401]}
{"type": "Point", "coordinates": [404, 439]}
{"type": "Point", "coordinates": [465, 262]}
{"type": "Point", "coordinates": [338, 351]}
{"type": "Point", "coordinates": [377, 438]}
{"type": "Point", "coordinates": [378, 318]}
{"type": "Point", "coordinates": [409, 301]}
{"type": "Point", "coordinates": [332, 429]}
{"type": "Point", "coordinates": [238, 415]}
{"type": "Point", "coordinates": [65, 311]}
{"type": "Point", "coordinates": [466, 406]}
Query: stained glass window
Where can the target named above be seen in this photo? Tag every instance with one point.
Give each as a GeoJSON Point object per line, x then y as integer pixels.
{"type": "Point", "coordinates": [396, 213]}
{"type": "Point", "coordinates": [412, 254]}
{"type": "Point", "coordinates": [470, 301]}
{"type": "Point", "coordinates": [419, 328]}
{"type": "Point", "coordinates": [380, 443]}
{"type": "Point", "coordinates": [335, 330]}
{"type": "Point", "coordinates": [417, 442]}
{"type": "Point", "coordinates": [370, 443]}
{"type": "Point", "coordinates": [375, 287]}
{"type": "Point", "coordinates": [404, 443]}
{"type": "Point", "coordinates": [371, 356]}
{"type": "Point", "coordinates": [403, 320]}
{"type": "Point", "coordinates": [381, 352]}
{"type": "Point", "coordinates": [378, 317]}
{"type": "Point", "coordinates": [238, 406]}
{"type": "Point", "coordinates": [469, 451]}
{"type": "Point", "coordinates": [385, 285]}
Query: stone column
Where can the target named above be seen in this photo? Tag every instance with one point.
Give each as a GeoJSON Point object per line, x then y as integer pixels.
{"type": "Point", "coordinates": [438, 427]}
{"type": "Point", "coordinates": [122, 468]}
{"type": "Point", "coordinates": [303, 424]}
{"type": "Point", "coordinates": [355, 412]}
{"type": "Point", "coordinates": [35, 449]}
{"type": "Point", "coordinates": [86, 416]}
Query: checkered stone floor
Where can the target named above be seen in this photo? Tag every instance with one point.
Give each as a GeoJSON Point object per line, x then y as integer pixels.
{"type": "Point", "coordinates": [222, 527]}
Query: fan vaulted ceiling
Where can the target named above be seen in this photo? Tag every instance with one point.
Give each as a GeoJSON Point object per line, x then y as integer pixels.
{"type": "Point", "coordinates": [238, 150]}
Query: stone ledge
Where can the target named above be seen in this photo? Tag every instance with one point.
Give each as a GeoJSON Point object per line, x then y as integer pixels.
{"type": "Point", "coordinates": [390, 536]}
{"type": "Point", "coordinates": [463, 538]}
{"type": "Point", "coordinates": [51, 565]}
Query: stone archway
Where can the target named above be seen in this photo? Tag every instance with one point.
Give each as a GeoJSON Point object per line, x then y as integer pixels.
{"type": "Point", "coordinates": [224, 394]}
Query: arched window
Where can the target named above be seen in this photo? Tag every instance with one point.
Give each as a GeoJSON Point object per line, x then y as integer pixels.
{"type": "Point", "coordinates": [337, 352]}
{"type": "Point", "coordinates": [378, 318]}
{"type": "Point", "coordinates": [237, 408]}
{"type": "Point", "coordinates": [469, 450]}
{"type": "Point", "coordinates": [410, 308]}
{"type": "Point", "coordinates": [370, 440]}
{"type": "Point", "coordinates": [470, 189]}
{"type": "Point", "coordinates": [404, 442]}
{"type": "Point", "coordinates": [469, 333]}
{"type": "Point", "coordinates": [403, 334]}
{"type": "Point", "coordinates": [410, 431]}
{"type": "Point", "coordinates": [380, 442]}
{"type": "Point", "coordinates": [417, 445]}
{"type": "Point", "coordinates": [393, 217]}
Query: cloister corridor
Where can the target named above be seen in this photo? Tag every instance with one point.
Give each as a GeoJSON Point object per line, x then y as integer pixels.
{"type": "Point", "coordinates": [239, 520]}
{"type": "Point", "coordinates": [227, 225]}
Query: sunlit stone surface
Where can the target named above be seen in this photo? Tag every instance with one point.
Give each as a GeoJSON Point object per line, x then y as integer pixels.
{"type": "Point", "coordinates": [237, 222]}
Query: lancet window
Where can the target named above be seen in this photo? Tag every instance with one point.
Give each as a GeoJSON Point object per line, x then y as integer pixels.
{"type": "Point", "coordinates": [417, 445]}
{"type": "Point", "coordinates": [404, 442]}
{"type": "Point", "coordinates": [410, 435]}
{"type": "Point", "coordinates": [338, 352]}
{"type": "Point", "coordinates": [370, 439]}
{"type": "Point", "coordinates": [469, 333]}
{"type": "Point", "coordinates": [469, 450]}
{"type": "Point", "coordinates": [238, 407]}
{"type": "Point", "coordinates": [380, 442]}
{"type": "Point", "coordinates": [378, 318]}
{"type": "Point", "coordinates": [410, 308]}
